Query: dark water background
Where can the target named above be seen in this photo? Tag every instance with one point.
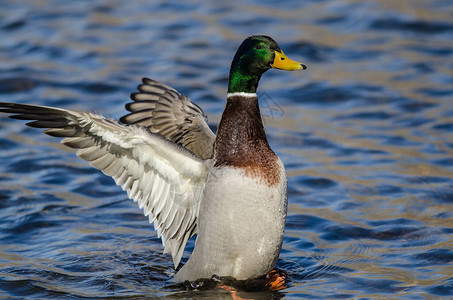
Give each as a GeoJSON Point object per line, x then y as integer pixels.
{"type": "Point", "coordinates": [366, 134]}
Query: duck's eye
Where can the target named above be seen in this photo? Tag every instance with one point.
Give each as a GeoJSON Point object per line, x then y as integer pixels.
{"type": "Point", "coordinates": [257, 47]}
{"type": "Point", "coordinates": [282, 58]}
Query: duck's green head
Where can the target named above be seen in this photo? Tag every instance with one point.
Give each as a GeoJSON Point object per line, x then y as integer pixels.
{"type": "Point", "coordinates": [256, 55]}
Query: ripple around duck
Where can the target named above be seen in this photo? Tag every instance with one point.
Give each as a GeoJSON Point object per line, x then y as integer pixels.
{"type": "Point", "coordinates": [321, 94]}
{"type": "Point", "coordinates": [324, 271]}
{"type": "Point", "coordinates": [7, 144]}
{"type": "Point", "coordinates": [416, 26]}
{"type": "Point", "coordinates": [447, 162]}
{"type": "Point", "coordinates": [434, 257]}
{"type": "Point", "coordinates": [314, 183]}
{"type": "Point", "coordinates": [435, 92]}
{"type": "Point", "coordinates": [18, 84]}
{"type": "Point", "coordinates": [432, 50]}
{"type": "Point", "coordinates": [27, 288]}
{"type": "Point", "coordinates": [306, 222]}
{"type": "Point", "coordinates": [75, 283]}
{"type": "Point", "coordinates": [442, 194]}
{"type": "Point", "coordinates": [415, 106]}
{"type": "Point", "coordinates": [443, 289]}
{"type": "Point", "coordinates": [393, 222]}
{"type": "Point", "coordinates": [14, 23]}
{"type": "Point", "coordinates": [341, 233]}
{"type": "Point", "coordinates": [444, 127]}
{"type": "Point", "coordinates": [365, 115]}
{"type": "Point", "coordinates": [310, 51]}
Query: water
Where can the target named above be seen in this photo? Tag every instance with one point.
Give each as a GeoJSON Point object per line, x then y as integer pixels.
{"type": "Point", "coordinates": [365, 134]}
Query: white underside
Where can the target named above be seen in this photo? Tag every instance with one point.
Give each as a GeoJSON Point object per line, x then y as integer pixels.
{"type": "Point", "coordinates": [240, 227]}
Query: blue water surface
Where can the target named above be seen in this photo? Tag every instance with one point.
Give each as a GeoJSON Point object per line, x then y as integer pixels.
{"type": "Point", "coordinates": [366, 134]}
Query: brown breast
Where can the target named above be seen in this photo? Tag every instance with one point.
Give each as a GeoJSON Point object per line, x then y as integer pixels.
{"type": "Point", "coordinates": [241, 141]}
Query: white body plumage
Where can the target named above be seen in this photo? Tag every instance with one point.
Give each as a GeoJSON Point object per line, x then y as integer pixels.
{"type": "Point", "coordinates": [240, 226]}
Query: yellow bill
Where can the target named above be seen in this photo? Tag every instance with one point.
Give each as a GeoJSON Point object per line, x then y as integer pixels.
{"type": "Point", "coordinates": [282, 62]}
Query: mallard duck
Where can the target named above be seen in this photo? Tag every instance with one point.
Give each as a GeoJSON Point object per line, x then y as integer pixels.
{"type": "Point", "coordinates": [229, 189]}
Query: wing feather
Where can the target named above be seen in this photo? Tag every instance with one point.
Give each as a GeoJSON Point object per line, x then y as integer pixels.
{"type": "Point", "coordinates": [164, 178]}
{"type": "Point", "coordinates": [163, 110]}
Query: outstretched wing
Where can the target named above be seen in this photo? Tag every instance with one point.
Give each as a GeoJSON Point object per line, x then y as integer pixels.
{"type": "Point", "coordinates": [165, 179]}
{"type": "Point", "coordinates": [163, 110]}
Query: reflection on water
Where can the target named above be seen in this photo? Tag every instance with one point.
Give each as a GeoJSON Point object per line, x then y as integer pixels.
{"type": "Point", "coordinates": [365, 134]}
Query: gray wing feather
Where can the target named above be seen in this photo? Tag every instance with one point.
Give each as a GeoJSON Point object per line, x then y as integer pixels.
{"type": "Point", "coordinates": [163, 110]}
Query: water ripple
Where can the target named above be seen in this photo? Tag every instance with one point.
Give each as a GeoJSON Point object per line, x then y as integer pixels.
{"type": "Point", "coordinates": [364, 133]}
